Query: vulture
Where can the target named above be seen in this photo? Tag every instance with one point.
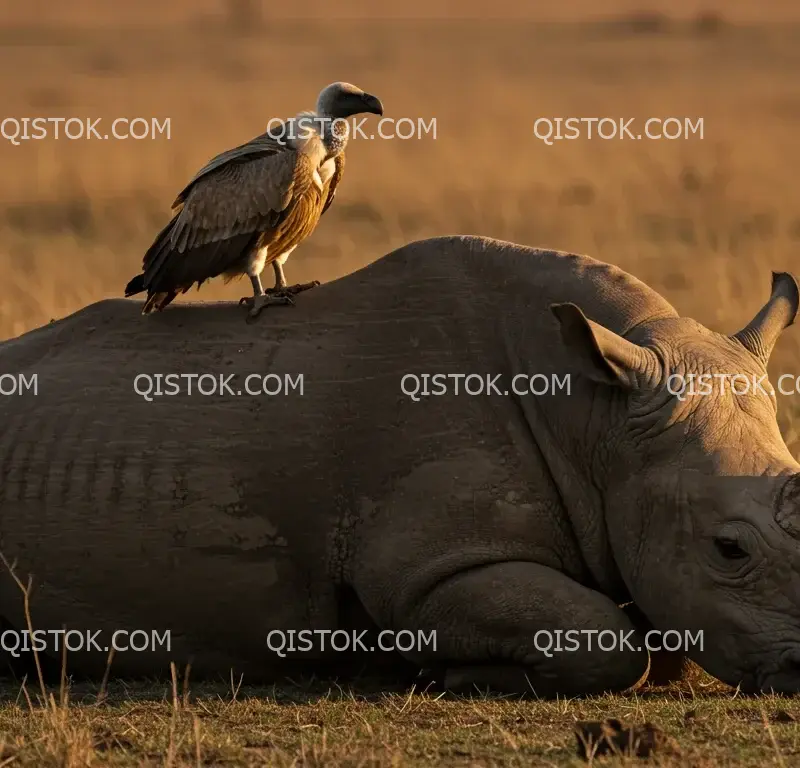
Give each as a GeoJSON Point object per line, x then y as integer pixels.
{"type": "Point", "coordinates": [253, 205]}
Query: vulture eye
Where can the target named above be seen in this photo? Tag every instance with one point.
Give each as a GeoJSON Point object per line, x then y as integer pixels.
{"type": "Point", "coordinates": [729, 548]}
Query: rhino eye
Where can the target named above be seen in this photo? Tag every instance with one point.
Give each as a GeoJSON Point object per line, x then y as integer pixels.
{"type": "Point", "coordinates": [729, 548]}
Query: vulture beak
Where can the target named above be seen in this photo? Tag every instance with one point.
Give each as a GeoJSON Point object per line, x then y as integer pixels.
{"type": "Point", "coordinates": [372, 104]}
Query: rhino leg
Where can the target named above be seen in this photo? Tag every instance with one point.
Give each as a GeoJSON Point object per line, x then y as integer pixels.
{"type": "Point", "coordinates": [487, 620]}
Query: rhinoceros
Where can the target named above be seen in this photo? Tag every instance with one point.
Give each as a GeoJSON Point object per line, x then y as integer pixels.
{"type": "Point", "coordinates": [351, 500]}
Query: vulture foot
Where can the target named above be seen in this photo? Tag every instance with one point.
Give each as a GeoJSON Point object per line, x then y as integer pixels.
{"type": "Point", "coordinates": [257, 303]}
{"type": "Point", "coordinates": [292, 290]}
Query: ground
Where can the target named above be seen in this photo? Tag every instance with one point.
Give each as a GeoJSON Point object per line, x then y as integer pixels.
{"type": "Point", "coordinates": [704, 221]}
{"type": "Point", "coordinates": [321, 723]}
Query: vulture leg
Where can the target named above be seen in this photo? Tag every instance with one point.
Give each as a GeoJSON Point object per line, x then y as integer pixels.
{"type": "Point", "coordinates": [281, 289]}
{"type": "Point", "coordinates": [260, 299]}
{"type": "Point", "coordinates": [280, 278]}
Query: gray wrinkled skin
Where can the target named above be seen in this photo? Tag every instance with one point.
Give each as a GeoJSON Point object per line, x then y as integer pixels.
{"type": "Point", "coordinates": [486, 518]}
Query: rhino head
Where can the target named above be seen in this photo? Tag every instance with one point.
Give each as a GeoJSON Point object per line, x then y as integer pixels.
{"type": "Point", "coordinates": [701, 494]}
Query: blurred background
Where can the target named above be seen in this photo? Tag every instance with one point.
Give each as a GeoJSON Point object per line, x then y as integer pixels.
{"type": "Point", "coordinates": [701, 220]}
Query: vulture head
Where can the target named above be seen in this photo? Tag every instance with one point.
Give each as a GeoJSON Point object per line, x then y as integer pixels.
{"type": "Point", "coordinates": [339, 100]}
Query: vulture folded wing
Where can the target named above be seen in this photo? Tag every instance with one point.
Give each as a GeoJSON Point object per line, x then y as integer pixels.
{"type": "Point", "coordinates": [265, 144]}
{"type": "Point", "coordinates": [223, 214]}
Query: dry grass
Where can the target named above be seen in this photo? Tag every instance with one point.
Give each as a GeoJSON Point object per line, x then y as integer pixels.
{"type": "Point", "coordinates": [702, 221]}
{"type": "Point", "coordinates": [319, 723]}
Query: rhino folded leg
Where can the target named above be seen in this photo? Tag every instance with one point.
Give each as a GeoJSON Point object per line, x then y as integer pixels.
{"type": "Point", "coordinates": [487, 620]}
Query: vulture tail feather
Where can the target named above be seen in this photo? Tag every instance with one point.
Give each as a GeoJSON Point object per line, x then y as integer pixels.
{"type": "Point", "coordinates": [136, 285]}
{"type": "Point", "coordinates": [153, 259]}
{"type": "Point", "coordinates": [159, 250]}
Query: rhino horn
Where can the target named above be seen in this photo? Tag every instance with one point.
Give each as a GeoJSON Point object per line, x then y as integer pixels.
{"type": "Point", "coordinates": [787, 514]}
{"type": "Point", "coordinates": [603, 355]}
{"type": "Point", "coordinates": [760, 335]}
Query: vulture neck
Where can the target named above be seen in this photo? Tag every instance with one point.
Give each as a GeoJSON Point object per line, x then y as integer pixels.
{"type": "Point", "coordinates": [334, 131]}
{"type": "Point", "coordinates": [335, 134]}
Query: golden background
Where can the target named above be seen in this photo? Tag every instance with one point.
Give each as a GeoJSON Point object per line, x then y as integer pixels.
{"type": "Point", "coordinates": [702, 221]}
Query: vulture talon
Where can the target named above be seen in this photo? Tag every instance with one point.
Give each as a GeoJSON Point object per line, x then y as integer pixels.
{"type": "Point", "coordinates": [257, 303]}
{"type": "Point", "coordinates": [292, 290]}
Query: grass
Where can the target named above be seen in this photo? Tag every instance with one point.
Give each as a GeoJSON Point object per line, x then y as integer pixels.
{"type": "Point", "coordinates": [702, 221]}
{"type": "Point", "coordinates": [319, 723]}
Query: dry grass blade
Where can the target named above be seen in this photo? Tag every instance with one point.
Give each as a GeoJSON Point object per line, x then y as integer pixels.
{"type": "Point", "coordinates": [63, 686]}
{"type": "Point", "coordinates": [103, 692]}
{"type": "Point", "coordinates": [169, 758]}
{"type": "Point", "coordinates": [778, 756]}
{"type": "Point", "coordinates": [26, 603]}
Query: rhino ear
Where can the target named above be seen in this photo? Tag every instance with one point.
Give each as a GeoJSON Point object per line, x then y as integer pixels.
{"type": "Point", "coordinates": [779, 312]}
{"type": "Point", "coordinates": [603, 355]}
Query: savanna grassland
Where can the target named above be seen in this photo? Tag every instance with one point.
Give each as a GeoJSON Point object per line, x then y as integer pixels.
{"type": "Point", "coordinates": [704, 221]}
